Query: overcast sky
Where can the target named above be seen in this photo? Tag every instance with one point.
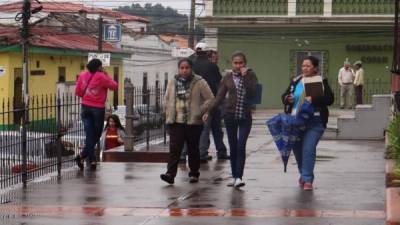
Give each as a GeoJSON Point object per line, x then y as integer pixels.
{"type": "Point", "coordinates": [183, 6]}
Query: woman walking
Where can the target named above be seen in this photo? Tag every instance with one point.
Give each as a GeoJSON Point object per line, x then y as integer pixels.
{"type": "Point", "coordinates": [187, 98]}
{"type": "Point", "coordinates": [92, 87]}
{"type": "Point", "coordinates": [240, 84]}
{"type": "Point", "coordinates": [113, 134]}
{"type": "Point", "coordinates": [305, 148]}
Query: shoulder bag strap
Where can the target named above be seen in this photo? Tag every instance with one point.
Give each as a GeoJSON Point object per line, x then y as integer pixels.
{"type": "Point", "coordinates": [90, 79]}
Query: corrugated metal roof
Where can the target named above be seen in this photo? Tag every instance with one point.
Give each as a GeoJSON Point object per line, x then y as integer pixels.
{"type": "Point", "coordinates": [47, 37]}
{"type": "Point", "coordinates": [180, 41]}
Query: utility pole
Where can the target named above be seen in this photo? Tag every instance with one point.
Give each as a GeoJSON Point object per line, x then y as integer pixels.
{"type": "Point", "coordinates": [100, 39]}
{"type": "Point", "coordinates": [191, 23]}
{"type": "Point", "coordinates": [26, 14]}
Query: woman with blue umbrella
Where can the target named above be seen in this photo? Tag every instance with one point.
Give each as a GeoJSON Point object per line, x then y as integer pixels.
{"type": "Point", "coordinates": [305, 147]}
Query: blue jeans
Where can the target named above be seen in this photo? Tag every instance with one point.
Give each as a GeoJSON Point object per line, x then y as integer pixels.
{"type": "Point", "coordinates": [305, 149]}
{"type": "Point", "coordinates": [213, 125]}
{"type": "Point", "coordinates": [93, 122]}
{"type": "Point", "coordinates": [238, 131]}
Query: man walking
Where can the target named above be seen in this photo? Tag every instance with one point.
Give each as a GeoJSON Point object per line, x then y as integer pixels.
{"type": "Point", "coordinates": [346, 79]}
{"type": "Point", "coordinates": [359, 82]}
{"type": "Point", "coordinates": [210, 72]}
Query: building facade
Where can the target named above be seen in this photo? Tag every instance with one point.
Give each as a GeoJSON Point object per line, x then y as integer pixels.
{"type": "Point", "coordinates": [277, 34]}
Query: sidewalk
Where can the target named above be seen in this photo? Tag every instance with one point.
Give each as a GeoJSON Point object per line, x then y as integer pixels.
{"type": "Point", "coordinates": [349, 189]}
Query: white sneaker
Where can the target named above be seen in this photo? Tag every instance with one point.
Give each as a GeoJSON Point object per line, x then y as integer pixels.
{"type": "Point", "coordinates": [231, 183]}
{"type": "Point", "coordinates": [239, 183]}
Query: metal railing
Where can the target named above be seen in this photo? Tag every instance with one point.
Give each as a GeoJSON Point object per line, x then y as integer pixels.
{"type": "Point", "coordinates": [44, 144]}
{"type": "Point", "coordinates": [53, 133]}
{"type": "Point", "coordinates": [371, 87]}
{"type": "Point", "coordinates": [145, 122]}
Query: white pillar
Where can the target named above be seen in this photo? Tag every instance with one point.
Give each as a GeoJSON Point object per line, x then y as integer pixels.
{"type": "Point", "coordinates": [292, 7]}
{"type": "Point", "coordinates": [328, 7]}
{"type": "Point", "coordinates": [211, 37]}
{"type": "Point", "coordinates": [209, 7]}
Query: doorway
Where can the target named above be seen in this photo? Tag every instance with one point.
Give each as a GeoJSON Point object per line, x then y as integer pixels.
{"type": "Point", "coordinates": [18, 104]}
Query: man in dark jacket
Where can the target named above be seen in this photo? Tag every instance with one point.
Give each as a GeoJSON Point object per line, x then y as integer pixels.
{"type": "Point", "coordinates": [210, 73]}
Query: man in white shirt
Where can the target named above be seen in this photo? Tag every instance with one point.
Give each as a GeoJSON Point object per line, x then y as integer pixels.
{"type": "Point", "coordinates": [346, 79]}
{"type": "Point", "coordinates": [359, 82]}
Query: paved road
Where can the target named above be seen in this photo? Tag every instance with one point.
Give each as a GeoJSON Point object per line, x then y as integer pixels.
{"type": "Point", "coordinates": [349, 189]}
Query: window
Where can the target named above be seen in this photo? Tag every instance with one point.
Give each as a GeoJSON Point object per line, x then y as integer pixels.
{"type": "Point", "coordinates": [298, 57]}
{"type": "Point", "coordinates": [61, 74]}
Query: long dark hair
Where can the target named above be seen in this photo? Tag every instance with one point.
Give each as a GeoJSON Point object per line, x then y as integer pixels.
{"type": "Point", "coordinates": [116, 121]}
{"type": "Point", "coordinates": [94, 65]}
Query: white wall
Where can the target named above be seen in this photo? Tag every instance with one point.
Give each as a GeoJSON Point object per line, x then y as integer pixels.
{"type": "Point", "coordinates": [149, 54]}
{"type": "Point", "coordinates": [136, 26]}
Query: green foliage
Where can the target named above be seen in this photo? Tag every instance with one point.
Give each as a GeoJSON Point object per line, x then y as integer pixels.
{"type": "Point", "coordinates": [162, 20]}
{"type": "Point", "coordinates": [394, 139]}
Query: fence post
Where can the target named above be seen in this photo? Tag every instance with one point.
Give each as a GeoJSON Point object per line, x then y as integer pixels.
{"type": "Point", "coordinates": [24, 123]}
{"type": "Point", "coordinates": [165, 89]}
{"type": "Point", "coordinates": [129, 114]}
{"type": "Point", "coordinates": [158, 92]}
{"type": "Point", "coordinates": [148, 120]}
{"type": "Point", "coordinates": [59, 134]}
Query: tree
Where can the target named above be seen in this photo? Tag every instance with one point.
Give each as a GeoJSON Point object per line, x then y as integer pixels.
{"type": "Point", "coordinates": [163, 20]}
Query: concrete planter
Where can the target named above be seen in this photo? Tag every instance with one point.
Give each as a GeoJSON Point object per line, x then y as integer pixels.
{"type": "Point", "coordinates": [392, 195]}
{"type": "Point", "coordinates": [390, 176]}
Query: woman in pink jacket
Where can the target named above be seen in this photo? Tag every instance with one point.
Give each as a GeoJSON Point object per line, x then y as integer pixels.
{"type": "Point", "coordinates": [92, 87]}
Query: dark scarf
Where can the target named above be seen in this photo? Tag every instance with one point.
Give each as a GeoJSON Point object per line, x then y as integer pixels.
{"type": "Point", "coordinates": [240, 93]}
{"type": "Point", "coordinates": [182, 86]}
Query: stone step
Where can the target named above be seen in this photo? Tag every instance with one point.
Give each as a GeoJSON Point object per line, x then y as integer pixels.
{"type": "Point", "coordinates": [155, 154]}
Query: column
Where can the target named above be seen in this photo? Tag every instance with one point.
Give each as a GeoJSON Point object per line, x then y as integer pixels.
{"type": "Point", "coordinates": [292, 7]}
{"type": "Point", "coordinates": [209, 7]}
{"type": "Point", "coordinates": [211, 37]}
{"type": "Point", "coordinates": [328, 7]}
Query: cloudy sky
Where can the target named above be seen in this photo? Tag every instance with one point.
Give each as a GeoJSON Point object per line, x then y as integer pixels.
{"type": "Point", "coordinates": [182, 6]}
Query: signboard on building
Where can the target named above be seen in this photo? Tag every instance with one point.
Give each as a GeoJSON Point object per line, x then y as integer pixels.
{"type": "Point", "coordinates": [182, 52]}
{"type": "Point", "coordinates": [112, 32]}
{"type": "Point", "coordinates": [104, 57]}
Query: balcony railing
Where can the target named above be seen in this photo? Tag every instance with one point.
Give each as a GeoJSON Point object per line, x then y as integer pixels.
{"type": "Point", "coordinates": [301, 7]}
{"type": "Point", "coordinates": [310, 7]}
{"type": "Point", "coordinates": [359, 7]}
{"type": "Point", "coordinates": [250, 7]}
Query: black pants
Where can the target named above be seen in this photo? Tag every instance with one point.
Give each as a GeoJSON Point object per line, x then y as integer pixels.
{"type": "Point", "coordinates": [178, 135]}
{"type": "Point", "coordinates": [359, 95]}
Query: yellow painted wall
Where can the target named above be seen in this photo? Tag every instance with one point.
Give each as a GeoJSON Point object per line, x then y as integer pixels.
{"type": "Point", "coordinates": [4, 78]}
{"type": "Point", "coordinates": [42, 85]}
{"type": "Point", "coordinates": [47, 84]}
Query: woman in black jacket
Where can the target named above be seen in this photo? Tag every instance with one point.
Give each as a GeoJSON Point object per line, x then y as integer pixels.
{"type": "Point", "coordinates": [305, 148]}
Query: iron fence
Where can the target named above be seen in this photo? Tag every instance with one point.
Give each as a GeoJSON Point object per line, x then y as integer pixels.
{"type": "Point", "coordinates": [45, 136]}
{"type": "Point", "coordinates": [38, 139]}
{"type": "Point", "coordinates": [146, 117]}
{"type": "Point", "coordinates": [371, 87]}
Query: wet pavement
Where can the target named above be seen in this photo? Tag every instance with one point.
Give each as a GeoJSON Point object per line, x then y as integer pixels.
{"type": "Point", "coordinates": [349, 189]}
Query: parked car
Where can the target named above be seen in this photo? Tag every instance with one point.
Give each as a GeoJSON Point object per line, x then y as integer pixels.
{"type": "Point", "coordinates": [149, 116]}
{"type": "Point", "coordinates": [138, 127]}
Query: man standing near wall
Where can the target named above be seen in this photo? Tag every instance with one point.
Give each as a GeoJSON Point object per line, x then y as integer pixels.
{"type": "Point", "coordinates": [346, 79]}
{"type": "Point", "coordinates": [359, 82]}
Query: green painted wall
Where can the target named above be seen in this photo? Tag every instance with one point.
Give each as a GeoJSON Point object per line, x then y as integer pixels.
{"type": "Point", "coordinates": [270, 53]}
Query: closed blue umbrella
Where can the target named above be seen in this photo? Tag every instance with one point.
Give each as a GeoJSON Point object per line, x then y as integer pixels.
{"type": "Point", "coordinates": [286, 129]}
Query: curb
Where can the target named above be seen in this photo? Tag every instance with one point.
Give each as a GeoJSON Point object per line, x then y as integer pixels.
{"type": "Point", "coordinates": [392, 196]}
{"type": "Point", "coordinates": [392, 206]}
